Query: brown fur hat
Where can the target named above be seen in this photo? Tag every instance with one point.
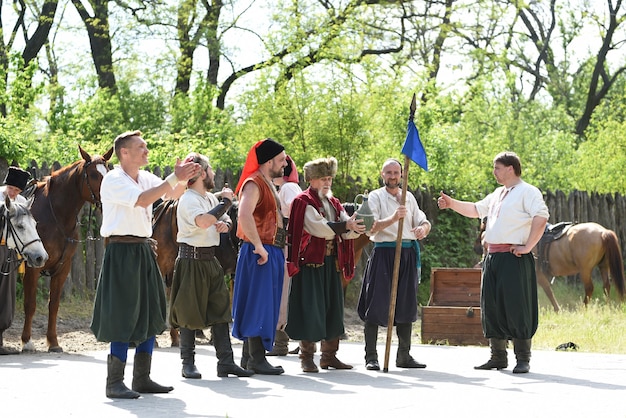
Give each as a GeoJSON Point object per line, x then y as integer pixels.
{"type": "Point", "coordinates": [322, 167]}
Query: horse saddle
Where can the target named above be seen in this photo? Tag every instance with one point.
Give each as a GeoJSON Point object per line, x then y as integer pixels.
{"type": "Point", "coordinates": [551, 234]}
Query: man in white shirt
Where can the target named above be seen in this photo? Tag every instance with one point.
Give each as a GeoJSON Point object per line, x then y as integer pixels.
{"type": "Point", "coordinates": [373, 306]}
{"type": "Point", "coordinates": [130, 301]}
{"type": "Point", "coordinates": [14, 183]}
{"type": "Point", "coordinates": [200, 298]}
{"type": "Point", "coordinates": [516, 219]}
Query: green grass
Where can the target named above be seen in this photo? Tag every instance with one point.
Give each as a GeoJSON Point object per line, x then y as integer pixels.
{"type": "Point", "coordinates": [600, 327]}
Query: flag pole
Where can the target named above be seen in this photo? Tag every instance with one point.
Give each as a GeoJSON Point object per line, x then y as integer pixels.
{"type": "Point", "coordinates": [396, 262]}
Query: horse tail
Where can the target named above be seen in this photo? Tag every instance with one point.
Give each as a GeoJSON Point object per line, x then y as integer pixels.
{"type": "Point", "coordinates": [614, 256]}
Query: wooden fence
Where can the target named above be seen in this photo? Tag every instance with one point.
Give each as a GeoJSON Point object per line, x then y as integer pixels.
{"type": "Point", "coordinates": [608, 210]}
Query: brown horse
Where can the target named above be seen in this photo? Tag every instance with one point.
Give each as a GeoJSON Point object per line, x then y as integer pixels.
{"type": "Point", "coordinates": [578, 250]}
{"type": "Point", "coordinates": [581, 248]}
{"type": "Point", "coordinates": [164, 231]}
{"type": "Point", "coordinates": [57, 203]}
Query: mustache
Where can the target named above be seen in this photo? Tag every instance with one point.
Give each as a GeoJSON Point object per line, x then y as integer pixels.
{"type": "Point", "coordinates": [393, 186]}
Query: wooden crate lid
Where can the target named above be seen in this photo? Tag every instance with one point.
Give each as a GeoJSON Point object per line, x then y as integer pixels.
{"type": "Point", "coordinates": [455, 287]}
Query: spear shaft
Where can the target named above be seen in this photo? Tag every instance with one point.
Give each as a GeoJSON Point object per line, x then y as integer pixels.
{"type": "Point", "coordinates": [396, 262]}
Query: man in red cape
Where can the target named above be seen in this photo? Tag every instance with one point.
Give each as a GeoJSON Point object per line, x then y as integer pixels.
{"type": "Point", "coordinates": [320, 249]}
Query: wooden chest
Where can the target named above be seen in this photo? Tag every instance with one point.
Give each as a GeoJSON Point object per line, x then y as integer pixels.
{"type": "Point", "coordinates": [453, 312]}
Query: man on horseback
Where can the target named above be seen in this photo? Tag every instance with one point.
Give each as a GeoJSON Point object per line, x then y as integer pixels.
{"type": "Point", "coordinates": [14, 183]}
{"type": "Point", "coordinates": [516, 219]}
{"type": "Point", "coordinates": [201, 218]}
{"type": "Point", "coordinates": [130, 301]}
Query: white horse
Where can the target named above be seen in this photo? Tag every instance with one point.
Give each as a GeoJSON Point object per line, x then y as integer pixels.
{"type": "Point", "coordinates": [18, 229]}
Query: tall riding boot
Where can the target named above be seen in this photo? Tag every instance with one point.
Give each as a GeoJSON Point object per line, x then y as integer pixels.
{"type": "Point", "coordinates": [115, 380]}
{"type": "Point", "coordinates": [224, 352]}
{"type": "Point", "coordinates": [522, 354]}
{"type": "Point", "coordinates": [245, 355]}
{"type": "Point", "coordinates": [307, 349]}
{"type": "Point", "coordinates": [188, 354]}
{"type": "Point", "coordinates": [498, 358]}
{"type": "Point", "coordinates": [281, 344]}
{"type": "Point", "coordinates": [141, 376]}
{"type": "Point", "coordinates": [403, 358]}
{"type": "Point", "coordinates": [371, 355]}
{"type": "Point", "coordinates": [329, 356]}
{"type": "Point", "coordinates": [257, 361]}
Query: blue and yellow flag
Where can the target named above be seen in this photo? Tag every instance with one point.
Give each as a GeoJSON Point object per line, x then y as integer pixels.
{"type": "Point", "coordinates": [413, 147]}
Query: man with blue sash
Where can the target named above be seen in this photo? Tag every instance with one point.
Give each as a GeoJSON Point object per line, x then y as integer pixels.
{"type": "Point", "coordinates": [373, 307]}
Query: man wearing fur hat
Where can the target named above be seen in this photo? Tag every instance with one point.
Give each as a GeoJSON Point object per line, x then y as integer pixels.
{"type": "Point", "coordinates": [15, 182]}
{"type": "Point", "coordinates": [261, 262]}
{"type": "Point", "coordinates": [320, 249]}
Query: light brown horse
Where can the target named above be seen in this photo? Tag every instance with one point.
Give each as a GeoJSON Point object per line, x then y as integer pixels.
{"type": "Point", "coordinates": [583, 247]}
{"type": "Point", "coordinates": [57, 203]}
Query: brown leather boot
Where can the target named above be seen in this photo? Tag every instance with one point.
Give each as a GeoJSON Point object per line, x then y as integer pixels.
{"type": "Point", "coordinates": [281, 344]}
{"type": "Point", "coordinates": [307, 349]}
{"type": "Point", "coordinates": [329, 358]}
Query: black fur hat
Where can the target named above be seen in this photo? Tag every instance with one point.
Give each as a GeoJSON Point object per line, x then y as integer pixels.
{"type": "Point", "coordinates": [17, 177]}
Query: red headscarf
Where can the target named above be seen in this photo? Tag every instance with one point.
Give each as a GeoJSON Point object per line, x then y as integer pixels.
{"type": "Point", "coordinates": [292, 177]}
{"type": "Point", "coordinates": [259, 153]}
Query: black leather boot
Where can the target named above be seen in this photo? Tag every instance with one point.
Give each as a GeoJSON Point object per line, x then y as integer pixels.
{"type": "Point", "coordinates": [245, 355]}
{"type": "Point", "coordinates": [141, 376]}
{"type": "Point", "coordinates": [257, 361]}
{"type": "Point", "coordinates": [371, 355]}
{"type": "Point", "coordinates": [188, 354]}
{"type": "Point", "coordinates": [498, 358]}
{"type": "Point", "coordinates": [522, 354]}
{"type": "Point", "coordinates": [224, 352]}
{"type": "Point", "coordinates": [403, 358]}
{"type": "Point", "coordinates": [115, 380]}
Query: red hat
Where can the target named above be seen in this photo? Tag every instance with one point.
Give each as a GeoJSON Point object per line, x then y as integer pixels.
{"type": "Point", "coordinates": [260, 153]}
{"type": "Point", "coordinates": [291, 172]}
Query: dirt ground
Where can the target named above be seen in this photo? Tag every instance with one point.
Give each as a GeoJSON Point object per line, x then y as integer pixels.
{"type": "Point", "coordinates": [75, 336]}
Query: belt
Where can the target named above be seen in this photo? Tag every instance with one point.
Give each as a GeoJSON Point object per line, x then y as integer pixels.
{"type": "Point", "coordinates": [196, 253]}
{"type": "Point", "coordinates": [330, 247]}
{"type": "Point", "coordinates": [131, 239]}
{"type": "Point", "coordinates": [499, 248]}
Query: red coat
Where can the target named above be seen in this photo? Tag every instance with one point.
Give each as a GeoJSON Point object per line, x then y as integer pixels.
{"type": "Point", "coordinates": [307, 249]}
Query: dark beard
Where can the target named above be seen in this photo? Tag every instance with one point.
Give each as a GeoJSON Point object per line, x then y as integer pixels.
{"type": "Point", "coordinates": [278, 173]}
{"type": "Point", "coordinates": [393, 186]}
{"type": "Point", "coordinates": [208, 183]}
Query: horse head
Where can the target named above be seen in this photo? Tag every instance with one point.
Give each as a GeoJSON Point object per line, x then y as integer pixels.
{"type": "Point", "coordinates": [93, 170]}
{"type": "Point", "coordinates": [19, 230]}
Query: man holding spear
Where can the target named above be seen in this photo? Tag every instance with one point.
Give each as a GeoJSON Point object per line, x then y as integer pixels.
{"type": "Point", "coordinates": [394, 266]}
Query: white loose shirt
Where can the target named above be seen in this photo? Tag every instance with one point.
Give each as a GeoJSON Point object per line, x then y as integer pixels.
{"type": "Point", "coordinates": [119, 194]}
{"type": "Point", "coordinates": [511, 223]}
{"type": "Point", "coordinates": [190, 205]}
{"type": "Point", "coordinates": [383, 204]}
{"type": "Point", "coordinates": [288, 191]}
{"type": "Point", "coordinates": [19, 198]}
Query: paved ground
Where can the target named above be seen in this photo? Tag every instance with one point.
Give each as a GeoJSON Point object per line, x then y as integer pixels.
{"type": "Point", "coordinates": [561, 384]}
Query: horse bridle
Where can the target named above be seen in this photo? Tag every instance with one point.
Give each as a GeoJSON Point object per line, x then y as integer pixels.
{"type": "Point", "coordinates": [10, 231]}
{"type": "Point", "coordinates": [96, 201]}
